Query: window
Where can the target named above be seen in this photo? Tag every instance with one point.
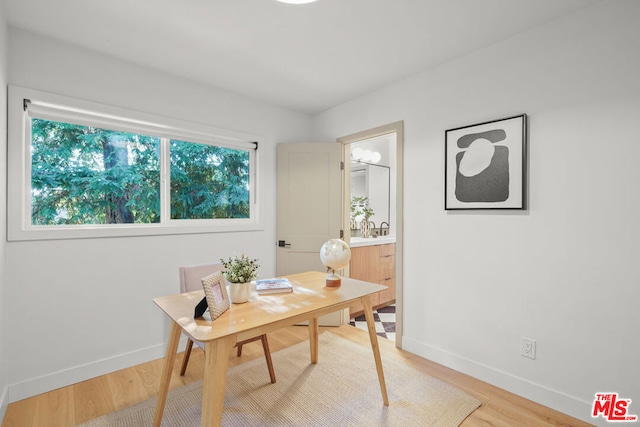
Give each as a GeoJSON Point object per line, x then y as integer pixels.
{"type": "Point", "coordinates": [208, 181]}
{"type": "Point", "coordinates": [87, 175]}
{"type": "Point", "coordinates": [85, 170]}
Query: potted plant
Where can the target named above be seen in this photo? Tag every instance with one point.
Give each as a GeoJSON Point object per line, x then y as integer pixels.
{"type": "Point", "coordinates": [360, 209]}
{"type": "Point", "coordinates": [239, 272]}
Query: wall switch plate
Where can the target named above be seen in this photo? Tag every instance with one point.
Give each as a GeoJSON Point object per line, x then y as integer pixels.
{"type": "Point", "coordinates": [528, 348]}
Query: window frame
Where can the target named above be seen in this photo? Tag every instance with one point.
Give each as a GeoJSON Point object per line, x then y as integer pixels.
{"type": "Point", "coordinates": [60, 108]}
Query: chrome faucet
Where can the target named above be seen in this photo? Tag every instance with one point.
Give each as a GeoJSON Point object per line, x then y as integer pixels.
{"type": "Point", "coordinates": [372, 227]}
{"type": "Point", "coordinates": [386, 232]}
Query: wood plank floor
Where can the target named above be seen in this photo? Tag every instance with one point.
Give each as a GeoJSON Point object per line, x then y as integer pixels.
{"type": "Point", "coordinates": [78, 403]}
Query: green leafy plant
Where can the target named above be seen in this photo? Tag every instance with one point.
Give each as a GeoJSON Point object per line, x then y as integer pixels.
{"type": "Point", "coordinates": [360, 207]}
{"type": "Point", "coordinates": [240, 269]}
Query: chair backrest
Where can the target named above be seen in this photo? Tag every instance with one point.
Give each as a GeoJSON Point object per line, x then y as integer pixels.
{"type": "Point", "coordinates": [191, 276]}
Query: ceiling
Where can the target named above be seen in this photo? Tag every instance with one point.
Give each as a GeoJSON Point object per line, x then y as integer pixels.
{"type": "Point", "coordinates": [306, 58]}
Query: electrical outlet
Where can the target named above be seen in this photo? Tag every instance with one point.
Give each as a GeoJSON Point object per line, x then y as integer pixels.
{"type": "Point", "coordinates": [528, 347]}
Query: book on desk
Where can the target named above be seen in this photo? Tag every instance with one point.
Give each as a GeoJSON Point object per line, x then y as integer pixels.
{"type": "Point", "coordinates": [273, 286]}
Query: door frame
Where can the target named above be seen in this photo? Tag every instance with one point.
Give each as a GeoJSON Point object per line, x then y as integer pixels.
{"type": "Point", "coordinates": [398, 129]}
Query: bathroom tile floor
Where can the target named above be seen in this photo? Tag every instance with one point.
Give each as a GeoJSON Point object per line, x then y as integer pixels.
{"type": "Point", "coordinates": [385, 319]}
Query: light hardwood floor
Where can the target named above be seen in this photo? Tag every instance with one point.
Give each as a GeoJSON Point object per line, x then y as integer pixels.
{"type": "Point", "coordinates": [83, 401]}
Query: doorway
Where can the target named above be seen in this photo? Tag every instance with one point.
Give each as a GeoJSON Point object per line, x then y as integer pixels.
{"type": "Point", "coordinates": [374, 194]}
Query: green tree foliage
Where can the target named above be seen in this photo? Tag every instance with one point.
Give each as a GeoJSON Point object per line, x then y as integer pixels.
{"type": "Point", "coordinates": [208, 181]}
{"type": "Point", "coordinates": [87, 175]}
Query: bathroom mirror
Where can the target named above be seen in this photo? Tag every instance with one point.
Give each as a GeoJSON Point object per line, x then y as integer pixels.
{"type": "Point", "coordinates": [371, 178]}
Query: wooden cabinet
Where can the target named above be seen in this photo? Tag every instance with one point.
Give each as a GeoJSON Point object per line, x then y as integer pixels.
{"type": "Point", "coordinates": [375, 264]}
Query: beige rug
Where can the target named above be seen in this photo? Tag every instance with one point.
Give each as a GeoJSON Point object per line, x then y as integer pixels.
{"type": "Point", "coordinates": [341, 390]}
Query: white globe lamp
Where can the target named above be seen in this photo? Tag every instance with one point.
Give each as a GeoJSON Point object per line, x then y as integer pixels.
{"type": "Point", "coordinates": [335, 254]}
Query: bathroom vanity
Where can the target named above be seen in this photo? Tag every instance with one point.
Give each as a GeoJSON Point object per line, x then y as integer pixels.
{"type": "Point", "coordinates": [374, 260]}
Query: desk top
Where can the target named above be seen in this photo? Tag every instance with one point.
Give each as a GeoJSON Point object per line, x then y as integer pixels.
{"type": "Point", "coordinates": [265, 313]}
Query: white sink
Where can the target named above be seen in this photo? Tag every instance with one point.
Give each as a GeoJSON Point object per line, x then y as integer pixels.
{"type": "Point", "coordinates": [370, 241]}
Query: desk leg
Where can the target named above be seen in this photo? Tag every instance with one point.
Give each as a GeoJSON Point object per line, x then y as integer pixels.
{"type": "Point", "coordinates": [216, 361]}
{"type": "Point", "coordinates": [373, 337]}
{"type": "Point", "coordinates": [313, 339]}
{"type": "Point", "coordinates": [165, 379]}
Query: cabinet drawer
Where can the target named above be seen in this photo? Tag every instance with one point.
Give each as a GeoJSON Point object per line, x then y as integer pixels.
{"type": "Point", "coordinates": [386, 267]}
{"type": "Point", "coordinates": [387, 296]}
{"type": "Point", "coordinates": [388, 249]}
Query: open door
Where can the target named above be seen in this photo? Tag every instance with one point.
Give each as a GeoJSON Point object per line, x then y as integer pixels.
{"type": "Point", "coordinates": [309, 204]}
{"type": "Point", "coordinates": [309, 207]}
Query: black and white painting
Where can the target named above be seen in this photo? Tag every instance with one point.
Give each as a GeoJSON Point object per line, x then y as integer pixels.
{"type": "Point", "coordinates": [485, 165]}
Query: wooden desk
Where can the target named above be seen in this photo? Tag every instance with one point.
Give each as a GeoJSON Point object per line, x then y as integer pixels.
{"type": "Point", "coordinates": [261, 315]}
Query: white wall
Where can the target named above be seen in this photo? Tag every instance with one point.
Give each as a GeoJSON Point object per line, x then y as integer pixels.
{"type": "Point", "coordinates": [565, 272]}
{"type": "Point", "coordinates": [4, 365]}
{"type": "Point", "coordinates": [80, 308]}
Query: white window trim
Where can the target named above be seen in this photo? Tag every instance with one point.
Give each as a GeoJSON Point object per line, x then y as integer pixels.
{"type": "Point", "coordinates": [19, 225]}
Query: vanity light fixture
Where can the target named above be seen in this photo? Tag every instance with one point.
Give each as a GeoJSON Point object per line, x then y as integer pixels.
{"type": "Point", "coordinates": [365, 156]}
{"type": "Point", "coordinates": [296, 1]}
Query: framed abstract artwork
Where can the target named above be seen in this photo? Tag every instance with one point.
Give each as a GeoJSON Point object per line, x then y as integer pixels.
{"type": "Point", "coordinates": [215, 291]}
{"type": "Point", "coordinates": [485, 165]}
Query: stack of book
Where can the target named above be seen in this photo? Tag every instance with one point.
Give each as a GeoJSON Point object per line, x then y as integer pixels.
{"type": "Point", "coordinates": [273, 286]}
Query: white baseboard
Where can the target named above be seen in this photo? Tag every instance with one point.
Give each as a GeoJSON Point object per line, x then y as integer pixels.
{"type": "Point", "coordinates": [4, 402]}
{"type": "Point", "coordinates": [538, 393]}
{"type": "Point", "coordinates": [63, 378]}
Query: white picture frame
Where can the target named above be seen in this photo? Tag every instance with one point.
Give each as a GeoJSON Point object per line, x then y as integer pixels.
{"type": "Point", "coordinates": [485, 165]}
{"type": "Point", "coordinates": [215, 291]}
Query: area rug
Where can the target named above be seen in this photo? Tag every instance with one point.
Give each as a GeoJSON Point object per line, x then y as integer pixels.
{"type": "Point", "coordinates": [341, 390]}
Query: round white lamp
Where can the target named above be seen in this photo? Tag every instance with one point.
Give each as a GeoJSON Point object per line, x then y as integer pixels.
{"type": "Point", "coordinates": [335, 254]}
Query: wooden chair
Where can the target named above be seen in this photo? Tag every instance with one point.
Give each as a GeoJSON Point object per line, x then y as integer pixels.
{"type": "Point", "coordinates": [191, 280]}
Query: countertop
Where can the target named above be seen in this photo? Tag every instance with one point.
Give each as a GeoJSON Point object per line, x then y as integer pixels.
{"type": "Point", "coordinates": [371, 241]}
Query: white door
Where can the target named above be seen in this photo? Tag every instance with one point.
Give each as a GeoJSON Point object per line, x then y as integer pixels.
{"type": "Point", "coordinates": [309, 208]}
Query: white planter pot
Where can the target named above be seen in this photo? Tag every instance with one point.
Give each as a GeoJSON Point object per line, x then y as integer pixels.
{"type": "Point", "coordinates": [239, 292]}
